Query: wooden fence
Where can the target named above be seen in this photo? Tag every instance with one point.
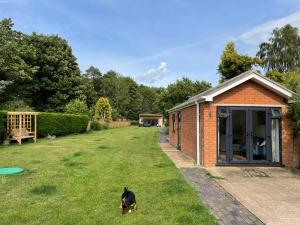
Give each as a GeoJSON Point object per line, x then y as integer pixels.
{"type": "Point", "coordinates": [115, 124]}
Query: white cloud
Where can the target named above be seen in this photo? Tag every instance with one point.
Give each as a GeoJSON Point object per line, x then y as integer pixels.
{"type": "Point", "coordinates": [262, 32]}
{"type": "Point", "coordinates": [154, 74]}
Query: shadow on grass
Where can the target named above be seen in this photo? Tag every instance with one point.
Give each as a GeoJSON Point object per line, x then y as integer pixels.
{"type": "Point", "coordinates": [76, 154]}
{"type": "Point", "coordinates": [103, 147]}
{"type": "Point", "coordinates": [74, 164]}
{"type": "Point", "coordinates": [44, 190]}
{"type": "Point", "coordinates": [163, 165]}
{"type": "Point", "coordinates": [65, 159]}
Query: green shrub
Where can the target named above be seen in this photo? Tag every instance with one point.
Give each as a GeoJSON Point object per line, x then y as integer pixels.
{"type": "Point", "coordinates": [60, 124]}
{"type": "Point", "coordinates": [16, 106]}
{"type": "Point", "coordinates": [2, 125]}
{"type": "Point", "coordinates": [96, 125]}
{"type": "Point", "coordinates": [134, 123]}
{"type": "Point", "coordinates": [77, 107]}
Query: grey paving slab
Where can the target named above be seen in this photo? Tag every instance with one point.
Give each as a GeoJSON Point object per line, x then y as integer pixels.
{"type": "Point", "coordinates": [223, 205]}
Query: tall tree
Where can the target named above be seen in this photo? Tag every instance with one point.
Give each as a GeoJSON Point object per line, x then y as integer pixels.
{"type": "Point", "coordinates": [94, 74]}
{"type": "Point", "coordinates": [232, 63]}
{"type": "Point", "coordinates": [58, 75]}
{"type": "Point", "coordinates": [282, 52]}
{"type": "Point", "coordinates": [135, 100]}
{"type": "Point", "coordinates": [15, 61]}
{"type": "Point", "coordinates": [150, 96]}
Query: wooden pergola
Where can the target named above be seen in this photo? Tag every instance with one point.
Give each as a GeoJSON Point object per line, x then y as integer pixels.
{"type": "Point", "coordinates": [21, 125]}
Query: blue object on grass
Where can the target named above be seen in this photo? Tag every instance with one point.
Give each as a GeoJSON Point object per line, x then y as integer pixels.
{"type": "Point", "coordinates": [10, 170]}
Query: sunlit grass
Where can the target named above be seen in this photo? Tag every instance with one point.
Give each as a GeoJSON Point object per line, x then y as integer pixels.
{"type": "Point", "coordinates": [78, 179]}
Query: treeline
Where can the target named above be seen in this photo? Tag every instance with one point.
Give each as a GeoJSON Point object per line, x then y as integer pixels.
{"type": "Point", "coordinates": [39, 72]}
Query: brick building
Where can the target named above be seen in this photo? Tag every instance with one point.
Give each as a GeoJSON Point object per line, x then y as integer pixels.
{"type": "Point", "coordinates": [242, 121]}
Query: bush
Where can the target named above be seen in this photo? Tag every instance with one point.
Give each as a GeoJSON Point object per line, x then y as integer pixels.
{"type": "Point", "coordinates": [60, 124]}
{"type": "Point", "coordinates": [77, 107]}
{"type": "Point", "coordinates": [96, 125]}
{"type": "Point", "coordinates": [134, 123]}
{"type": "Point", "coordinates": [2, 125]}
{"type": "Point", "coordinates": [103, 110]}
{"type": "Point", "coordinates": [16, 106]}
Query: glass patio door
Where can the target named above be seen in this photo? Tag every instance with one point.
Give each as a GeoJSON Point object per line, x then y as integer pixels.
{"type": "Point", "coordinates": [249, 135]}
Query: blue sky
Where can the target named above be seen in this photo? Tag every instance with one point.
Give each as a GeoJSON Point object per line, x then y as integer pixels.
{"type": "Point", "coordinates": [154, 41]}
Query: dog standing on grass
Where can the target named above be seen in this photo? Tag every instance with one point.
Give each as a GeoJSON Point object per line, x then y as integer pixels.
{"type": "Point", "coordinates": [128, 202]}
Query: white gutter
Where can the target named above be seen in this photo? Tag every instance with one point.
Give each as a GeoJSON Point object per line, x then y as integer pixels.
{"type": "Point", "coordinates": [198, 134]}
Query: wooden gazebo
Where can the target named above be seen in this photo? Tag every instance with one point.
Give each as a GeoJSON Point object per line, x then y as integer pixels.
{"type": "Point", "coordinates": [21, 125]}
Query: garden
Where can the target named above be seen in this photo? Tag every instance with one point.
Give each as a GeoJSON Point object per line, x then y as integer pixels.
{"type": "Point", "coordinates": [78, 179]}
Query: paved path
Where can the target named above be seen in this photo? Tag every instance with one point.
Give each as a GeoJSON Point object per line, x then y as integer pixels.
{"type": "Point", "coordinates": [271, 193]}
{"type": "Point", "coordinates": [163, 137]}
{"type": "Point", "coordinates": [223, 205]}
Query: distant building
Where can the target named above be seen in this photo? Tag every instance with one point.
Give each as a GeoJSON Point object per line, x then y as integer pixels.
{"type": "Point", "coordinates": [151, 120]}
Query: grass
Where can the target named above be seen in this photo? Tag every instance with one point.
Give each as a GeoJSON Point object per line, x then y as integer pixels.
{"type": "Point", "coordinates": [79, 179]}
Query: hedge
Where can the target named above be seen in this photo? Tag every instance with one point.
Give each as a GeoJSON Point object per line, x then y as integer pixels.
{"type": "Point", "coordinates": [2, 125]}
{"type": "Point", "coordinates": [60, 124]}
{"type": "Point", "coordinates": [96, 125]}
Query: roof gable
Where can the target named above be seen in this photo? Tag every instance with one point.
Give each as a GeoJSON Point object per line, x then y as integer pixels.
{"type": "Point", "coordinates": [208, 96]}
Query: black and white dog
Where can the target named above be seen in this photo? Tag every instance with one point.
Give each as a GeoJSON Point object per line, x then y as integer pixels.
{"type": "Point", "coordinates": [128, 202]}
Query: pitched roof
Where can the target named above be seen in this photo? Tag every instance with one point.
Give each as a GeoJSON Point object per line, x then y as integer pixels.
{"type": "Point", "coordinates": [208, 95]}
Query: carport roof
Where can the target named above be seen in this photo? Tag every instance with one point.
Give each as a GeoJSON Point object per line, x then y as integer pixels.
{"type": "Point", "coordinates": [149, 114]}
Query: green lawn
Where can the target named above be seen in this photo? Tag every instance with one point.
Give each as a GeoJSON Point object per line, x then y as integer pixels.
{"type": "Point", "coordinates": [78, 179]}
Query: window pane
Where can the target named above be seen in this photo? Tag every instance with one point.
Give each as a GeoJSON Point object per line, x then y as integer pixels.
{"type": "Point", "coordinates": [239, 121]}
{"type": "Point", "coordinates": [275, 140]}
{"type": "Point", "coordinates": [222, 139]}
{"type": "Point", "coordinates": [259, 135]}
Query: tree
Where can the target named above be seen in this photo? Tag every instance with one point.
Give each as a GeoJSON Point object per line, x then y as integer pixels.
{"type": "Point", "coordinates": [77, 106]}
{"type": "Point", "coordinates": [233, 64]}
{"type": "Point", "coordinates": [3, 85]}
{"type": "Point", "coordinates": [15, 62]}
{"type": "Point", "coordinates": [294, 112]}
{"type": "Point", "coordinates": [275, 76]}
{"type": "Point", "coordinates": [282, 52]}
{"type": "Point", "coordinates": [103, 110]}
{"type": "Point", "coordinates": [150, 97]}
{"type": "Point", "coordinates": [179, 92]}
{"type": "Point", "coordinates": [95, 76]}
{"type": "Point", "coordinates": [135, 100]}
{"type": "Point", "coordinates": [58, 77]}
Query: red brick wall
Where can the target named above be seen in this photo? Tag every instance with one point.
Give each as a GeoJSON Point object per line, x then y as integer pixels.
{"type": "Point", "coordinates": [249, 93]}
{"type": "Point", "coordinates": [189, 132]}
{"type": "Point", "coordinates": [173, 136]}
{"type": "Point", "coordinates": [246, 93]}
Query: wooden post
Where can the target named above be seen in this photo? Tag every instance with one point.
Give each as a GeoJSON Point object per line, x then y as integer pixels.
{"type": "Point", "coordinates": [20, 129]}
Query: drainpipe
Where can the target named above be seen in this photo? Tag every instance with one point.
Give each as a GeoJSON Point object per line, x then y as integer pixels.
{"type": "Point", "coordinates": [198, 133]}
